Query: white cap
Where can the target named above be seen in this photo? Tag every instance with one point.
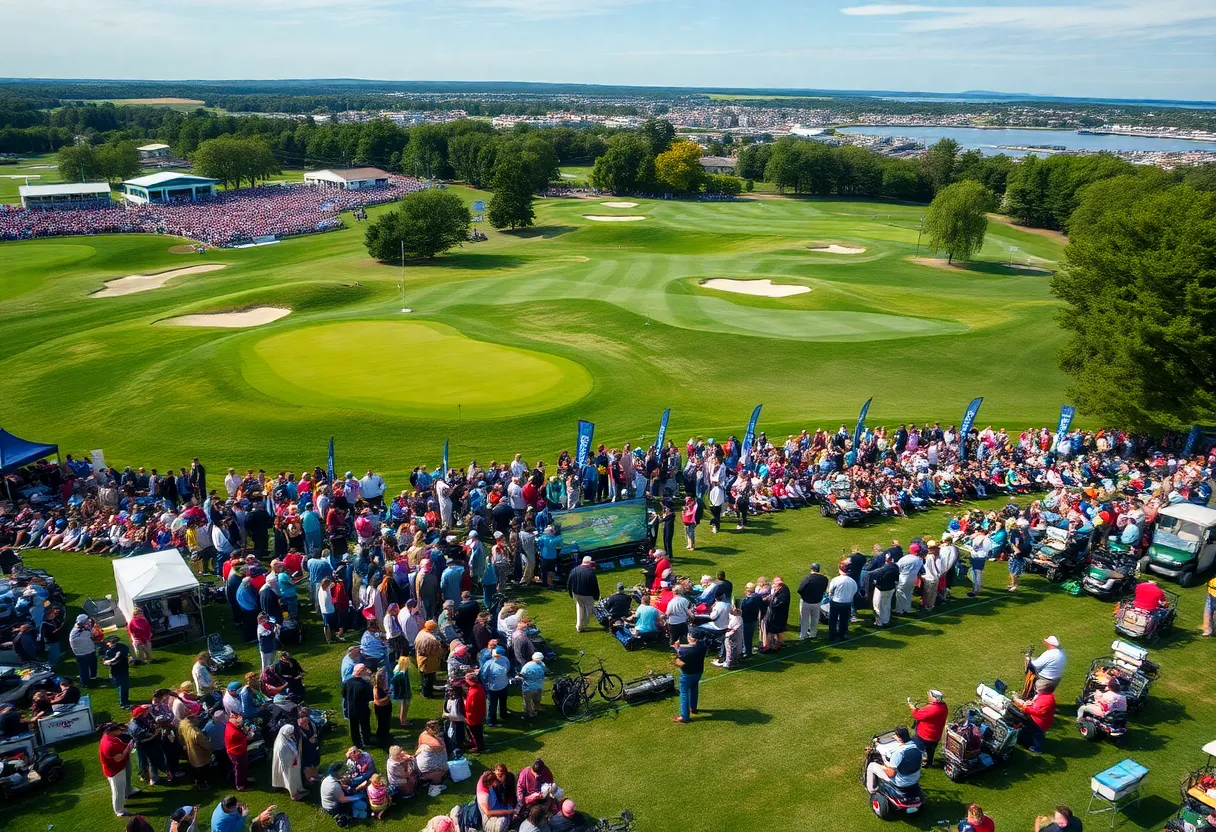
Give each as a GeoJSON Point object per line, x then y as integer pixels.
{"type": "Point", "coordinates": [538, 657]}
{"type": "Point", "coordinates": [936, 694]}
{"type": "Point", "coordinates": [587, 560]}
{"type": "Point", "coordinates": [1052, 640]}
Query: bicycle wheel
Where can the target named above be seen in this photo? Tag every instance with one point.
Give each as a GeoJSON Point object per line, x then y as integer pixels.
{"type": "Point", "coordinates": [612, 687]}
{"type": "Point", "coordinates": [576, 706]}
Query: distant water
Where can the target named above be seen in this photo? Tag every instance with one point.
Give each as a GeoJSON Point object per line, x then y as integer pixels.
{"type": "Point", "coordinates": [988, 140]}
{"type": "Point", "coordinates": [979, 99]}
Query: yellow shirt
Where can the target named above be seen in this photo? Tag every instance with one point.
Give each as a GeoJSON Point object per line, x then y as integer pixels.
{"type": "Point", "coordinates": [1212, 587]}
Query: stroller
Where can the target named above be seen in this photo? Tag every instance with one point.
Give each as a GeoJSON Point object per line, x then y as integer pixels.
{"type": "Point", "coordinates": [1111, 573]}
{"type": "Point", "coordinates": [1133, 622]}
{"type": "Point", "coordinates": [978, 737]}
{"type": "Point", "coordinates": [221, 654]}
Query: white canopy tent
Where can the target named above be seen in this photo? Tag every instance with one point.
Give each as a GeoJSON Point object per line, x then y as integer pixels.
{"type": "Point", "coordinates": [163, 586]}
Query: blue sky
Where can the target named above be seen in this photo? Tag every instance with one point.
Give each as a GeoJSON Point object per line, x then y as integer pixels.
{"type": "Point", "coordinates": [1115, 48]}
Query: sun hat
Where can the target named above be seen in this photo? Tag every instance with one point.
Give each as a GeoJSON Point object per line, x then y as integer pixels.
{"type": "Point", "coordinates": [538, 657]}
{"type": "Point", "coordinates": [1052, 640]}
{"type": "Point", "coordinates": [234, 686]}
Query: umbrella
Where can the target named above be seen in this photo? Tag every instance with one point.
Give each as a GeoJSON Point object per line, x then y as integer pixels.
{"type": "Point", "coordinates": [194, 514]}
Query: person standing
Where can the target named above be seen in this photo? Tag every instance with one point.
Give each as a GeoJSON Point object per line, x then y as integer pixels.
{"type": "Point", "coordinates": [382, 703]}
{"type": "Point", "coordinates": [689, 518]}
{"type": "Point", "coordinates": [114, 751]}
{"type": "Point", "coordinates": [981, 548]}
{"type": "Point", "coordinates": [140, 631]}
{"type": "Point", "coordinates": [910, 567]}
{"type": "Point", "coordinates": [930, 724]}
{"type": "Point", "coordinates": [548, 545]}
{"type": "Point", "coordinates": [532, 677]}
{"type": "Point", "coordinates": [584, 588]}
{"type": "Point", "coordinates": [495, 676]}
{"type": "Point", "coordinates": [750, 610]}
{"type": "Point", "coordinates": [679, 612]}
{"type": "Point", "coordinates": [885, 578]}
{"type": "Point", "coordinates": [475, 711]}
{"type": "Point", "coordinates": [1049, 666]}
{"type": "Point", "coordinates": [690, 658]}
{"type": "Point", "coordinates": [428, 652]}
{"type": "Point", "coordinates": [285, 770]}
{"type": "Point", "coordinates": [84, 649]}
{"type": "Point", "coordinates": [236, 744]}
{"type": "Point", "coordinates": [267, 633]}
{"type": "Point", "coordinates": [776, 617]}
{"type": "Point", "coordinates": [357, 696]}
{"type": "Point", "coordinates": [930, 575]}
{"type": "Point", "coordinates": [841, 591]}
{"type": "Point", "coordinates": [811, 592]}
{"type": "Point", "coordinates": [1019, 550]}
{"type": "Point", "coordinates": [949, 556]}
{"type": "Point", "coordinates": [117, 657]}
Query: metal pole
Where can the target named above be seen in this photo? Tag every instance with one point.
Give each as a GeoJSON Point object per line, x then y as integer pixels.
{"type": "Point", "coordinates": [403, 307]}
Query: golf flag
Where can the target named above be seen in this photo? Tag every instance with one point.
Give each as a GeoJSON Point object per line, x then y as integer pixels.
{"type": "Point", "coordinates": [586, 430]}
{"type": "Point", "coordinates": [748, 438]}
{"type": "Point", "coordinates": [861, 423]}
{"type": "Point", "coordinates": [1191, 439]}
{"type": "Point", "coordinates": [658, 442]}
{"type": "Point", "coordinates": [330, 466]}
{"type": "Point", "coordinates": [968, 421]}
{"type": "Point", "coordinates": [445, 459]}
{"type": "Point", "coordinates": [1066, 414]}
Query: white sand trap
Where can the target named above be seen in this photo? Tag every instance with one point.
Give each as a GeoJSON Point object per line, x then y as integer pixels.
{"type": "Point", "coordinates": [143, 282]}
{"type": "Point", "coordinates": [765, 288]}
{"type": "Point", "coordinates": [619, 204]}
{"type": "Point", "coordinates": [233, 320]}
{"type": "Point", "coordinates": [598, 218]}
{"type": "Point", "coordinates": [835, 249]}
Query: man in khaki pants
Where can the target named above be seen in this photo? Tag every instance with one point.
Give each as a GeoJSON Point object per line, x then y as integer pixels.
{"type": "Point", "coordinates": [584, 588]}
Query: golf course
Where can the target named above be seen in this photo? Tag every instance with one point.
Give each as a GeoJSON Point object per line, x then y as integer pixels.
{"type": "Point", "coordinates": [609, 314]}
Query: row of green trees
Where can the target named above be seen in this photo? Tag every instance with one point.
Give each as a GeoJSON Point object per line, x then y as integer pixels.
{"type": "Point", "coordinates": [649, 160]}
{"type": "Point", "coordinates": [110, 162]}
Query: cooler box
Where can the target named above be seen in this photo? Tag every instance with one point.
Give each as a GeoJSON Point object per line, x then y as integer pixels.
{"type": "Point", "coordinates": [1119, 780]}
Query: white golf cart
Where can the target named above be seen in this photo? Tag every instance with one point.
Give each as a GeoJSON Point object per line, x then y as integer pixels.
{"type": "Point", "coordinates": [1184, 543]}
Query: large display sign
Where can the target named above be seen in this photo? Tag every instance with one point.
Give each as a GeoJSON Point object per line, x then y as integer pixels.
{"type": "Point", "coordinates": [590, 529]}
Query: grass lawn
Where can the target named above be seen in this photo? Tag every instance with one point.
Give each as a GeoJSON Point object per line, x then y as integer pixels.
{"type": "Point", "coordinates": [43, 169]}
{"type": "Point", "coordinates": [779, 742]}
{"type": "Point", "coordinates": [621, 300]}
{"type": "Point", "coordinates": [576, 174]}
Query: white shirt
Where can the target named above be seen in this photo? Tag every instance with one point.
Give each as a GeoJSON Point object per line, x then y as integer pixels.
{"type": "Point", "coordinates": [372, 486]}
{"type": "Point", "coordinates": [719, 615]}
{"type": "Point", "coordinates": [1050, 664]}
{"type": "Point", "coordinates": [81, 641]}
{"type": "Point", "coordinates": [515, 493]}
{"type": "Point", "coordinates": [232, 482]}
{"type": "Point", "coordinates": [910, 567]}
{"type": "Point", "coordinates": [202, 678]}
{"type": "Point", "coordinates": [949, 556]}
{"type": "Point", "coordinates": [325, 604]}
{"type": "Point", "coordinates": [841, 589]}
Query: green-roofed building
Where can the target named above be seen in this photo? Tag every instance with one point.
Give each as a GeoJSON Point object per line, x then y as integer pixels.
{"type": "Point", "coordinates": [167, 186]}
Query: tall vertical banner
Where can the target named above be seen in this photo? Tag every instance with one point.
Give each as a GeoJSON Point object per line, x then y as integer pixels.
{"type": "Point", "coordinates": [1066, 414]}
{"type": "Point", "coordinates": [330, 465]}
{"type": "Point", "coordinates": [749, 439]}
{"type": "Point", "coordinates": [658, 442]}
{"type": "Point", "coordinates": [861, 423]}
{"type": "Point", "coordinates": [968, 421]}
{"type": "Point", "coordinates": [586, 430]}
{"type": "Point", "coordinates": [1191, 439]}
{"type": "Point", "coordinates": [445, 459]}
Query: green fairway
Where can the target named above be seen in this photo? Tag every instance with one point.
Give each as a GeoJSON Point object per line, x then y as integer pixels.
{"type": "Point", "coordinates": [40, 169]}
{"type": "Point", "coordinates": [613, 315]}
{"type": "Point", "coordinates": [778, 744]}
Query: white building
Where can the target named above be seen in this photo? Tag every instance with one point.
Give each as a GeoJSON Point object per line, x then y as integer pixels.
{"type": "Point", "coordinates": [166, 186]}
{"type": "Point", "coordinates": [153, 152]}
{"type": "Point", "coordinates": [64, 195]}
{"type": "Point", "coordinates": [348, 179]}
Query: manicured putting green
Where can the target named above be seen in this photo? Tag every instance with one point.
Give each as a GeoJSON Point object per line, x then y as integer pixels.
{"type": "Point", "coordinates": [410, 367]}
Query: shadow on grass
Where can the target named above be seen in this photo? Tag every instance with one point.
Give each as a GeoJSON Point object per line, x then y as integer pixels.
{"type": "Point", "coordinates": [545, 232]}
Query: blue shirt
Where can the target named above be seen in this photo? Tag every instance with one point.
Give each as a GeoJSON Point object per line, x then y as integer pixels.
{"type": "Point", "coordinates": [546, 545]}
{"type": "Point", "coordinates": [496, 673]}
{"type": "Point", "coordinates": [222, 821]}
{"type": "Point", "coordinates": [372, 646]}
{"type": "Point", "coordinates": [449, 582]}
{"type": "Point", "coordinates": [246, 597]}
{"type": "Point", "coordinates": [647, 619]}
{"type": "Point", "coordinates": [533, 674]}
{"type": "Point", "coordinates": [286, 588]}
{"type": "Point", "coordinates": [347, 668]}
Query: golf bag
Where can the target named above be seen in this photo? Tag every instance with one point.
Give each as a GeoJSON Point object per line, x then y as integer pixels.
{"type": "Point", "coordinates": [290, 633]}
{"type": "Point", "coordinates": [627, 639]}
{"type": "Point", "coordinates": [653, 686]}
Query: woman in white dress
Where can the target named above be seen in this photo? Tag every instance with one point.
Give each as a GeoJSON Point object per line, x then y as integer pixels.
{"type": "Point", "coordinates": [285, 764]}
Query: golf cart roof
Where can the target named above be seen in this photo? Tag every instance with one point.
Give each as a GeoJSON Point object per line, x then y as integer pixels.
{"type": "Point", "coordinates": [1210, 748]}
{"type": "Point", "coordinates": [1199, 515]}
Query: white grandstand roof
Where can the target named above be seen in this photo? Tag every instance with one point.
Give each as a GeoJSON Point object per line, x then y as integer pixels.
{"type": "Point", "coordinates": [64, 189]}
{"type": "Point", "coordinates": [154, 179]}
{"type": "Point", "coordinates": [150, 147]}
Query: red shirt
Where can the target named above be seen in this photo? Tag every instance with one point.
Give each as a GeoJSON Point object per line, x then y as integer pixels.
{"type": "Point", "coordinates": [1149, 596]}
{"type": "Point", "coordinates": [139, 629]}
{"type": "Point", "coordinates": [226, 569]}
{"type": "Point", "coordinates": [1042, 710]}
{"type": "Point", "coordinates": [235, 741]}
{"type": "Point", "coordinates": [984, 824]}
{"type": "Point", "coordinates": [475, 705]}
{"type": "Point", "coordinates": [109, 747]}
{"type": "Point", "coordinates": [931, 721]}
{"type": "Point", "coordinates": [293, 562]}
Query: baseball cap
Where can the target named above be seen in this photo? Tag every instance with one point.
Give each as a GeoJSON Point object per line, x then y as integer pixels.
{"type": "Point", "coordinates": [587, 560]}
{"type": "Point", "coordinates": [1052, 640]}
{"type": "Point", "coordinates": [538, 657]}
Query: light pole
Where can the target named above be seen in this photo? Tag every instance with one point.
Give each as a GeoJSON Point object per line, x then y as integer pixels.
{"type": "Point", "coordinates": [403, 306]}
{"type": "Point", "coordinates": [919, 230]}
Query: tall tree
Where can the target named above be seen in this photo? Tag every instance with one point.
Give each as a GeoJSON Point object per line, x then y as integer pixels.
{"type": "Point", "coordinates": [1140, 290]}
{"type": "Point", "coordinates": [78, 163]}
{"type": "Point", "coordinates": [627, 165]}
{"type": "Point", "coordinates": [118, 161]}
{"type": "Point", "coordinates": [659, 134]}
{"type": "Point", "coordinates": [679, 167]}
{"type": "Point", "coordinates": [511, 205]}
{"type": "Point", "coordinates": [956, 221]}
{"type": "Point", "coordinates": [939, 162]}
{"type": "Point", "coordinates": [427, 223]}
{"type": "Point", "coordinates": [472, 156]}
{"type": "Point", "coordinates": [220, 158]}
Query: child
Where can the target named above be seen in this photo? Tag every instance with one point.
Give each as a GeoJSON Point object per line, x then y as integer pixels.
{"type": "Point", "coordinates": [378, 799]}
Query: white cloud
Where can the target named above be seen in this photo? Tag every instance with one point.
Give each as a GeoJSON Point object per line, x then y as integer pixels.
{"type": "Point", "coordinates": [1142, 18]}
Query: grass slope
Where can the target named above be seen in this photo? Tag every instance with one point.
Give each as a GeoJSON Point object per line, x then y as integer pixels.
{"type": "Point", "coordinates": [621, 300]}
{"type": "Point", "coordinates": [779, 742]}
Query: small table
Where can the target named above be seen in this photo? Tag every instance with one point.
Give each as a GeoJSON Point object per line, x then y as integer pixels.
{"type": "Point", "coordinates": [1116, 788]}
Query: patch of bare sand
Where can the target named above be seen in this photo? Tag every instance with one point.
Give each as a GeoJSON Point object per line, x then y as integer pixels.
{"type": "Point", "coordinates": [132, 284]}
{"type": "Point", "coordinates": [257, 316]}
{"type": "Point", "coordinates": [836, 248]}
{"type": "Point", "coordinates": [764, 288]}
{"type": "Point", "coordinates": [619, 204]}
{"type": "Point", "coordinates": [599, 218]}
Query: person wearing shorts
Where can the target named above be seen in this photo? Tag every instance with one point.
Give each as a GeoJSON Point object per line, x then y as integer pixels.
{"type": "Point", "coordinates": [329, 612]}
{"type": "Point", "coordinates": [1209, 610]}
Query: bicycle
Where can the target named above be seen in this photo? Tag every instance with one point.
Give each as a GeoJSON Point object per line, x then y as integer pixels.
{"type": "Point", "coordinates": [584, 684]}
{"type": "Point", "coordinates": [623, 824]}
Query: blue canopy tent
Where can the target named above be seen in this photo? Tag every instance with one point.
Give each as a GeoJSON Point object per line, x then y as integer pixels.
{"type": "Point", "coordinates": [16, 452]}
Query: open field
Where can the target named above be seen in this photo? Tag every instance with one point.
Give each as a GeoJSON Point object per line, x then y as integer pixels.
{"type": "Point", "coordinates": [43, 166]}
{"type": "Point", "coordinates": [778, 744]}
{"type": "Point", "coordinates": [623, 301]}
{"type": "Point", "coordinates": [184, 105]}
{"type": "Point", "coordinates": [576, 174]}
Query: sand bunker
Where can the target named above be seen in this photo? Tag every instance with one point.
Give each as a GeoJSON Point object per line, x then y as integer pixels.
{"type": "Point", "coordinates": [764, 288]}
{"type": "Point", "coordinates": [143, 282]}
{"type": "Point", "coordinates": [597, 218]}
{"type": "Point", "coordinates": [619, 204]}
{"type": "Point", "coordinates": [837, 249]}
{"type": "Point", "coordinates": [233, 320]}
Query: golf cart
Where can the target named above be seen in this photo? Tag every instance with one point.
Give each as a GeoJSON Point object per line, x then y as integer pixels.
{"type": "Point", "coordinates": [890, 799]}
{"type": "Point", "coordinates": [1130, 665]}
{"type": "Point", "coordinates": [978, 736]}
{"type": "Point", "coordinates": [1198, 798]}
{"type": "Point", "coordinates": [19, 683]}
{"type": "Point", "coordinates": [841, 505]}
{"type": "Point", "coordinates": [1061, 554]}
{"type": "Point", "coordinates": [1184, 543]}
{"type": "Point", "coordinates": [1133, 622]}
{"type": "Point", "coordinates": [24, 768]}
{"type": "Point", "coordinates": [1111, 573]}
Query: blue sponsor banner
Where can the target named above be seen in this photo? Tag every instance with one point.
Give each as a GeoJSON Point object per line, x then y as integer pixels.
{"type": "Point", "coordinates": [861, 423]}
{"type": "Point", "coordinates": [586, 430]}
{"type": "Point", "coordinates": [330, 464]}
{"type": "Point", "coordinates": [1066, 414]}
{"type": "Point", "coordinates": [749, 438]}
{"type": "Point", "coordinates": [445, 459]}
{"type": "Point", "coordinates": [968, 421]}
{"type": "Point", "coordinates": [658, 442]}
{"type": "Point", "coordinates": [1191, 439]}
